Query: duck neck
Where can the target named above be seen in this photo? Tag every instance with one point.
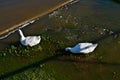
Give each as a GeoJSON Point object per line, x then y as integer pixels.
{"type": "Point", "coordinates": [21, 34]}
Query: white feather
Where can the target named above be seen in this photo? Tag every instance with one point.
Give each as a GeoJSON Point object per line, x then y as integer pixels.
{"type": "Point", "coordinates": [82, 48]}
{"type": "Point", "coordinates": [29, 40]}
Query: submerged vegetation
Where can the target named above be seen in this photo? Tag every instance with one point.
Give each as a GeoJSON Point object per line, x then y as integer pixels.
{"type": "Point", "coordinates": [41, 72]}
{"type": "Point", "coordinates": [49, 61]}
{"type": "Point", "coordinates": [38, 63]}
{"type": "Point", "coordinates": [17, 56]}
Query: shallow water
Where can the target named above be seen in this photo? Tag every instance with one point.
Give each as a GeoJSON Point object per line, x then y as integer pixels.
{"type": "Point", "coordinates": [84, 21]}
{"type": "Point", "coordinates": [16, 12]}
{"type": "Point", "coordinates": [91, 18]}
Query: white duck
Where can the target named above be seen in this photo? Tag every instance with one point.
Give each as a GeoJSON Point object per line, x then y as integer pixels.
{"type": "Point", "coordinates": [29, 40]}
{"type": "Point", "coordinates": [84, 48]}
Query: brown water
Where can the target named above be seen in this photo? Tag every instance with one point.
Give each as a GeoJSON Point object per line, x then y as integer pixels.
{"type": "Point", "coordinates": [87, 17]}
{"type": "Point", "coordinates": [15, 12]}
{"type": "Point", "coordinates": [84, 21]}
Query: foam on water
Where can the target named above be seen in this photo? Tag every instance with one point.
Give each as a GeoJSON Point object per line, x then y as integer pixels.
{"type": "Point", "coordinates": [74, 1]}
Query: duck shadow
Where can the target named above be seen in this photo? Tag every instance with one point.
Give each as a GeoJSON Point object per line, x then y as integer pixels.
{"type": "Point", "coordinates": [36, 64]}
{"type": "Point", "coordinates": [55, 58]}
{"type": "Point", "coordinates": [82, 59]}
{"type": "Point", "coordinates": [62, 53]}
{"type": "Point", "coordinates": [89, 62]}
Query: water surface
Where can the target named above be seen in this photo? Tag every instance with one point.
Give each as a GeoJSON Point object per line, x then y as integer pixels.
{"type": "Point", "coordinates": [16, 12]}
{"type": "Point", "coordinates": [84, 21]}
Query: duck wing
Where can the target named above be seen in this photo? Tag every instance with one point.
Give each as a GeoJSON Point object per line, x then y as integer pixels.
{"type": "Point", "coordinates": [32, 40]}
{"type": "Point", "coordinates": [87, 47]}
{"type": "Point", "coordinates": [83, 48]}
{"type": "Point", "coordinates": [83, 45]}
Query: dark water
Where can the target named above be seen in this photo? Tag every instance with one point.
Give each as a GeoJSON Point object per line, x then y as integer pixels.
{"type": "Point", "coordinates": [84, 21]}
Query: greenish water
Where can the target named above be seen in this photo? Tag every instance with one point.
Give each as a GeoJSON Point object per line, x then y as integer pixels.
{"type": "Point", "coordinates": [84, 21]}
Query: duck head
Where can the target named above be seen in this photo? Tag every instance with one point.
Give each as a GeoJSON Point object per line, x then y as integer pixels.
{"type": "Point", "coordinates": [68, 49]}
